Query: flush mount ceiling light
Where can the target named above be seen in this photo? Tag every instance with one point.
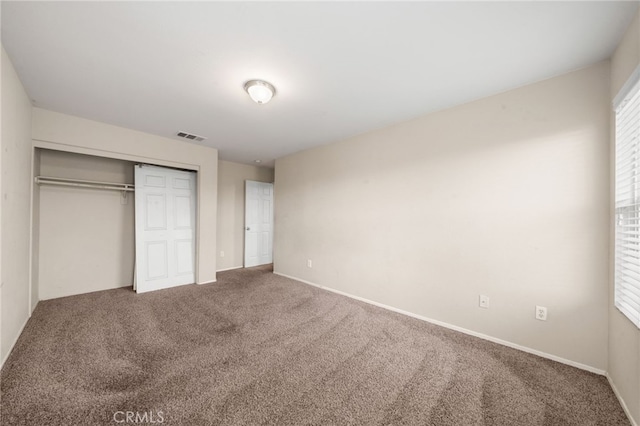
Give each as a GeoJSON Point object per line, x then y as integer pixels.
{"type": "Point", "coordinates": [260, 91]}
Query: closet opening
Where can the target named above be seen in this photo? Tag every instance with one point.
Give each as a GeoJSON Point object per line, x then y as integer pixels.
{"type": "Point", "coordinates": [84, 224]}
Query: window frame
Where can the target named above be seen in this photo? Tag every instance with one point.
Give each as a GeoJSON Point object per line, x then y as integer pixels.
{"type": "Point", "coordinates": [626, 256]}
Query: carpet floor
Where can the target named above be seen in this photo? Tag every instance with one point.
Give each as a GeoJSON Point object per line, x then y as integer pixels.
{"type": "Point", "coordinates": [259, 349]}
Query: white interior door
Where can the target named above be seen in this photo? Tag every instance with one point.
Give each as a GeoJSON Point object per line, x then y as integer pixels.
{"type": "Point", "coordinates": [165, 227]}
{"type": "Point", "coordinates": [258, 233]}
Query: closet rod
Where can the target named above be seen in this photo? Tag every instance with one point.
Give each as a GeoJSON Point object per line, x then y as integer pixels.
{"type": "Point", "coordinates": [46, 180]}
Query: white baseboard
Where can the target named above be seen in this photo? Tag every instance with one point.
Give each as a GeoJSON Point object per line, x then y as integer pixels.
{"type": "Point", "coordinates": [456, 328]}
{"type": "Point", "coordinates": [14, 342]}
{"type": "Point", "coordinates": [624, 406]}
{"type": "Point", "coordinates": [230, 269]}
{"type": "Point", "coordinates": [207, 282]}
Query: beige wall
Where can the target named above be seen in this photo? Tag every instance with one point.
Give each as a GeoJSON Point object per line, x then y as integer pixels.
{"type": "Point", "coordinates": [231, 178]}
{"type": "Point", "coordinates": [16, 195]}
{"type": "Point", "coordinates": [624, 337]}
{"type": "Point", "coordinates": [87, 236]}
{"type": "Point", "coordinates": [506, 196]}
{"type": "Point", "coordinates": [57, 131]}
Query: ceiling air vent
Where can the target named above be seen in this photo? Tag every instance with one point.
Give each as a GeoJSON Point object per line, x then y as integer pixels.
{"type": "Point", "coordinates": [190, 136]}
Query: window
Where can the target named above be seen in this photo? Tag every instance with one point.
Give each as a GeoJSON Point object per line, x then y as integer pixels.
{"type": "Point", "coordinates": [627, 199]}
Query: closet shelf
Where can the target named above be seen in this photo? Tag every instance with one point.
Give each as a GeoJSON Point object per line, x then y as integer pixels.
{"type": "Point", "coordinates": [48, 180]}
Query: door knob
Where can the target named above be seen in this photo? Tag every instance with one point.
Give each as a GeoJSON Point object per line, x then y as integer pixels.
{"type": "Point", "coordinates": [248, 229]}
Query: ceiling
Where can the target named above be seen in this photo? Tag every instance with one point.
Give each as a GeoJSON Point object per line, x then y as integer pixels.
{"type": "Point", "coordinates": [339, 68]}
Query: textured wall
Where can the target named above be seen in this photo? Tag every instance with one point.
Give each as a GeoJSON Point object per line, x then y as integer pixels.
{"type": "Point", "coordinates": [624, 337]}
{"type": "Point", "coordinates": [16, 199]}
{"type": "Point", "coordinates": [506, 196]}
{"type": "Point", "coordinates": [231, 178]}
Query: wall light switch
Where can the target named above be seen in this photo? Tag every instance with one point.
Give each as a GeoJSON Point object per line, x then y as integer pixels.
{"type": "Point", "coordinates": [484, 301]}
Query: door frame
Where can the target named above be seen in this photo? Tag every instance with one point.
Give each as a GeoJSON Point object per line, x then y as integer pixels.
{"type": "Point", "coordinates": [244, 227]}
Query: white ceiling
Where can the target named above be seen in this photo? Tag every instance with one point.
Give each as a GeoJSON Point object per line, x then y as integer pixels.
{"type": "Point", "coordinates": [340, 68]}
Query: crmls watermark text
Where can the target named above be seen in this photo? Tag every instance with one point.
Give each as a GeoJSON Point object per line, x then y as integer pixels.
{"type": "Point", "coordinates": [138, 417]}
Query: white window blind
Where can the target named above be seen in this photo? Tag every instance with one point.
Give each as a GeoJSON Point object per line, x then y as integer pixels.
{"type": "Point", "coordinates": [627, 199]}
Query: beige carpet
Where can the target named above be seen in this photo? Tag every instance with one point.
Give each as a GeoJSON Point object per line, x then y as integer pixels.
{"type": "Point", "coordinates": [256, 348]}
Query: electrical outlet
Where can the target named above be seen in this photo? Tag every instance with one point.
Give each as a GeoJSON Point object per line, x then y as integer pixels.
{"type": "Point", "coordinates": [484, 301]}
{"type": "Point", "coordinates": [309, 263]}
{"type": "Point", "coordinates": [541, 313]}
{"type": "Point", "coordinates": [221, 253]}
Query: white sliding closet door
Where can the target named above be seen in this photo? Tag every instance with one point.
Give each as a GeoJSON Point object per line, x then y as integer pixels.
{"type": "Point", "coordinates": [165, 227]}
